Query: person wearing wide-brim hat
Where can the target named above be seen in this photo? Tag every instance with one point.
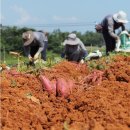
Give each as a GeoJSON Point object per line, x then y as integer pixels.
{"type": "Point", "coordinates": [35, 43]}
{"type": "Point", "coordinates": [74, 49]}
{"type": "Point", "coordinates": [109, 24]}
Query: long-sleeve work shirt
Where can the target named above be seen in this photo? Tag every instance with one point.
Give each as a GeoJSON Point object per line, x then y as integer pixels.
{"type": "Point", "coordinates": [110, 25]}
{"type": "Point", "coordinates": [39, 40]}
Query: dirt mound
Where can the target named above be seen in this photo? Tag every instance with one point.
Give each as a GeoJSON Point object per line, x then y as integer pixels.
{"type": "Point", "coordinates": [67, 70]}
{"type": "Point", "coordinates": [105, 105]}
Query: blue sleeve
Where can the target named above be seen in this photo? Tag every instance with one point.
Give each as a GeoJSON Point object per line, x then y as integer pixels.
{"type": "Point", "coordinates": [62, 55]}
{"type": "Point", "coordinates": [40, 38]}
{"type": "Point", "coordinates": [41, 46]}
{"type": "Point", "coordinates": [110, 28]}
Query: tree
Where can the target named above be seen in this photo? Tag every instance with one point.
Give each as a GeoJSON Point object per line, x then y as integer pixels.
{"type": "Point", "coordinates": [11, 39]}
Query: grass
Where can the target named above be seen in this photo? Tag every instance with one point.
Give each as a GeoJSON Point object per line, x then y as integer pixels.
{"type": "Point", "coordinates": [21, 62]}
{"type": "Point", "coordinates": [12, 60]}
{"type": "Point", "coordinates": [102, 63]}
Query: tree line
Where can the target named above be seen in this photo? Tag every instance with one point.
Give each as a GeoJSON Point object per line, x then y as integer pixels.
{"type": "Point", "coordinates": [11, 39]}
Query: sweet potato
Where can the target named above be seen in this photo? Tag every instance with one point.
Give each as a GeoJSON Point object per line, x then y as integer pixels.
{"type": "Point", "coordinates": [62, 88]}
{"type": "Point", "coordinates": [14, 73]}
{"type": "Point", "coordinates": [47, 84]}
{"type": "Point", "coordinates": [95, 77]}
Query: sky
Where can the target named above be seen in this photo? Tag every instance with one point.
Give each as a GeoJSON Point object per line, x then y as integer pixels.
{"type": "Point", "coordinates": [66, 15]}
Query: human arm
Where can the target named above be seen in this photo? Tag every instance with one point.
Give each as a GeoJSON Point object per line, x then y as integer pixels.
{"type": "Point", "coordinates": [82, 46]}
{"type": "Point", "coordinates": [38, 53]}
{"type": "Point", "coordinates": [39, 41]}
{"type": "Point", "coordinates": [111, 30]}
{"type": "Point", "coordinates": [123, 27]}
{"type": "Point", "coordinates": [63, 46]}
{"type": "Point", "coordinates": [84, 50]}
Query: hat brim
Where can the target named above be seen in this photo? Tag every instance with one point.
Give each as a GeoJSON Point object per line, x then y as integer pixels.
{"type": "Point", "coordinates": [29, 41]}
{"type": "Point", "coordinates": [72, 42]}
{"type": "Point", "coordinates": [72, 36]}
{"type": "Point", "coordinates": [115, 17]}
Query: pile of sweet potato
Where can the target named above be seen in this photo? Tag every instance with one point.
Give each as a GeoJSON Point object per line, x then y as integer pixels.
{"type": "Point", "coordinates": [59, 87]}
{"type": "Point", "coordinates": [95, 78]}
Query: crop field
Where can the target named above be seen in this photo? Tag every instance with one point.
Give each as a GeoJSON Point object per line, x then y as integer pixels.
{"type": "Point", "coordinates": [62, 95]}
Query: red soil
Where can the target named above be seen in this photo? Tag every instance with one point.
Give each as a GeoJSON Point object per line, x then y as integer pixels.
{"type": "Point", "coordinates": [100, 100]}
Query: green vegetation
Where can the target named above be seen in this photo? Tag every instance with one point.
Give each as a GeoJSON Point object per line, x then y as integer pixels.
{"type": "Point", "coordinates": [10, 59]}
{"type": "Point", "coordinates": [11, 39]}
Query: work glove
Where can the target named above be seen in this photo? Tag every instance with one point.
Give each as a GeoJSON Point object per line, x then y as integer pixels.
{"type": "Point", "coordinates": [81, 61]}
{"type": "Point", "coordinates": [84, 54]}
{"type": "Point", "coordinates": [30, 58]}
{"type": "Point", "coordinates": [36, 56]}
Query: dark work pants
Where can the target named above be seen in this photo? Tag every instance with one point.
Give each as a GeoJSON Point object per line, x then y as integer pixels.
{"type": "Point", "coordinates": [109, 42]}
{"type": "Point", "coordinates": [76, 56]}
{"type": "Point", "coordinates": [34, 50]}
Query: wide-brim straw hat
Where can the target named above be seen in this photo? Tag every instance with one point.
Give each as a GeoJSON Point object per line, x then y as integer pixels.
{"type": "Point", "coordinates": [72, 40]}
{"type": "Point", "coordinates": [120, 17]}
{"type": "Point", "coordinates": [28, 37]}
{"type": "Point", "coordinates": [72, 36]}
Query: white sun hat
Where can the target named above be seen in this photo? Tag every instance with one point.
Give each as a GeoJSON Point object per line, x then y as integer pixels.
{"type": "Point", "coordinates": [28, 37]}
{"type": "Point", "coordinates": [121, 17]}
{"type": "Point", "coordinates": [72, 36]}
{"type": "Point", "coordinates": [72, 40]}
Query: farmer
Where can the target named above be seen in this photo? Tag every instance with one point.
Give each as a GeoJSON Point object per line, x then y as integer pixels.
{"type": "Point", "coordinates": [108, 26]}
{"type": "Point", "coordinates": [35, 43]}
{"type": "Point", "coordinates": [74, 49]}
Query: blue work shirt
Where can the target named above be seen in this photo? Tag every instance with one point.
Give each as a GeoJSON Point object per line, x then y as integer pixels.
{"type": "Point", "coordinates": [40, 40]}
{"type": "Point", "coordinates": [110, 25]}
